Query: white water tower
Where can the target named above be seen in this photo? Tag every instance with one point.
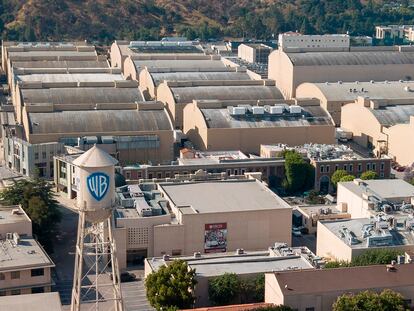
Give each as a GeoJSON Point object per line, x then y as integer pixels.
{"type": "Point", "coordinates": [95, 258]}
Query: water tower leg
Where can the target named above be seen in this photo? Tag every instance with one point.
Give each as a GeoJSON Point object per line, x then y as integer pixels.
{"type": "Point", "coordinates": [77, 276]}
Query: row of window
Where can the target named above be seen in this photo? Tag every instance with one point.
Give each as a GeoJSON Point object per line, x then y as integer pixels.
{"type": "Point", "coordinates": [350, 167]}
{"type": "Point", "coordinates": [16, 274]}
{"type": "Point", "coordinates": [36, 155]}
{"type": "Point", "coordinates": [35, 290]}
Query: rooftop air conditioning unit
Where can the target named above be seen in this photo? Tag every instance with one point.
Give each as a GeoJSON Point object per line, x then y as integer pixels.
{"type": "Point", "coordinates": [237, 111]}
{"type": "Point", "coordinates": [258, 110]}
{"type": "Point", "coordinates": [275, 109]}
{"type": "Point", "coordinates": [295, 109]}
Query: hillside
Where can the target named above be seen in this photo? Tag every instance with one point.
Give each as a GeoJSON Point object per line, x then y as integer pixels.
{"type": "Point", "coordinates": [105, 20]}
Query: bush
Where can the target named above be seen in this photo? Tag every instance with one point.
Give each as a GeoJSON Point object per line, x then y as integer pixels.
{"type": "Point", "coordinates": [369, 257]}
{"type": "Point", "coordinates": [224, 289]}
{"type": "Point", "coordinates": [171, 286]}
{"type": "Point", "coordinates": [337, 176]}
{"type": "Point", "coordinates": [369, 175]}
{"type": "Point", "coordinates": [347, 178]}
{"type": "Point", "coordinates": [387, 300]}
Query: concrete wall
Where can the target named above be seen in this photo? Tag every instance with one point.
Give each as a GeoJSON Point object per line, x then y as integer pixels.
{"type": "Point", "coordinates": [26, 280]}
{"type": "Point", "coordinates": [328, 245]}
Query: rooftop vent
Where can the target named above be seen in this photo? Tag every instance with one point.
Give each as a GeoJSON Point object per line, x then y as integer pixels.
{"type": "Point", "coordinates": [257, 110]}
{"type": "Point", "coordinates": [166, 257]}
{"type": "Point", "coordinates": [275, 109]}
{"type": "Point", "coordinates": [237, 111]}
{"type": "Point", "coordinates": [197, 255]}
{"type": "Point", "coordinates": [407, 89]}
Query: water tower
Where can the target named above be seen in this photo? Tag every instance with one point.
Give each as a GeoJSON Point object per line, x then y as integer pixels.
{"type": "Point", "coordinates": [95, 259]}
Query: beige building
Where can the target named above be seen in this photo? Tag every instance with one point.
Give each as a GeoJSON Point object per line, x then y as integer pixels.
{"type": "Point", "coordinates": [317, 290]}
{"type": "Point", "coordinates": [289, 70]}
{"type": "Point", "coordinates": [254, 52]}
{"type": "Point", "coordinates": [247, 265]}
{"type": "Point", "coordinates": [151, 78]}
{"type": "Point", "coordinates": [308, 215]}
{"type": "Point", "coordinates": [199, 213]}
{"type": "Point", "coordinates": [246, 125]}
{"type": "Point", "coordinates": [14, 219]}
{"type": "Point", "coordinates": [381, 127]}
{"type": "Point", "coordinates": [177, 95]}
{"type": "Point", "coordinates": [33, 302]}
{"type": "Point", "coordinates": [333, 96]}
{"type": "Point", "coordinates": [121, 50]}
{"type": "Point", "coordinates": [365, 198]}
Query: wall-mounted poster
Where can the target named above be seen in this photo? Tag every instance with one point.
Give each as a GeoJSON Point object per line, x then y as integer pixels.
{"type": "Point", "coordinates": [215, 238]}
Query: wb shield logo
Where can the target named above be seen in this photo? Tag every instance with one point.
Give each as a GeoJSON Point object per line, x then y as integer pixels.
{"type": "Point", "coordinates": [98, 184]}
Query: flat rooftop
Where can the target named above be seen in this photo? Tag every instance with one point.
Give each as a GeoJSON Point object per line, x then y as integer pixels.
{"type": "Point", "coordinates": [212, 157]}
{"type": "Point", "coordinates": [362, 231]}
{"type": "Point", "coordinates": [25, 255]}
{"type": "Point", "coordinates": [222, 196]}
{"type": "Point", "coordinates": [32, 302]}
{"type": "Point", "coordinates": [12, 214]}
{"type": "Point", "coordinates": [385, 188]}
{"type": "Point", "coordinates": [252, 262]}
{"type": "Point", "coordinates": [320, 209]}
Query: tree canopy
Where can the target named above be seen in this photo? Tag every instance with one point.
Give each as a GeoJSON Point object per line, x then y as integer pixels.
{"type": "Point", "coordinates": [171, 286]}
{"type": "Point", "coordinates": [38, 201]}
{"type": "Point", "coordinates": [300, 174]}
{"type": "Point", "coordinates": [224, 289]}
{"type": "Point", "coordinates": [387, 300]}
{"type": "Point", "coordinates": [337, 176]}
{"type": "Point", "coordinates": [369, 257]}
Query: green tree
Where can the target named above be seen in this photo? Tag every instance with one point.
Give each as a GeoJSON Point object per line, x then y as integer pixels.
{"type": "Point", "coordinates": [337, 176]}
{"type": "Point", "coordinates": [224, 289]}
{"type": "Point", "coordinates": [38, 201]}
{"type": "Point", "coordinates": [387, 300]}
{"type": "Point", "coordinates": [259, 290]}
{"type": "Point", "coordinates": [171, 286]}
{"type": "Point", "coordinates": [369, 175]}
{"type": "Point", "coordinates": [369, 257]}
{"type": "Point", "coordinates": [347, 178]}
{"type": "Point", "coordinates": [299, 173]}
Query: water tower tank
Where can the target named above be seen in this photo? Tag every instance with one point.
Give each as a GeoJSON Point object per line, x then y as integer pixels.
{"type": "Point", "coordinates": [95, 181]}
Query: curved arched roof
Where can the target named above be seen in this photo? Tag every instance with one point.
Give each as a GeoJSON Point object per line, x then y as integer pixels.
{"type": "Point", "coordinates": [81, 95]}
{"type": "Point", "coordinates": [61, 64]}
{"type": "Point", "coordinates": [98, 121]}
{"type": "Point", "coordinates": [246, 92]}
{"type": "Point", "coordinates": [350, 58]}
{"type": "Point", "coordinates": [393, 115]}
{"type": "Point", "coordinates": [159, 77]}
{"type": "Point", "coordinates": [70, 77]}
{"type": "Point", "coordinates": [178, 63]}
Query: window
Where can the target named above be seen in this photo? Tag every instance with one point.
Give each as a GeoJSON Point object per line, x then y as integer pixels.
{"type": "Point", "coordinates": [382, 166]}
{"type": "Point", "coordinates": [128, 175]}
{"type": "Point", "coordinates": [167, 174]}
{"type": "Point", "coordinates": [359, 167]}
{"type": "Point", "coordinates": [336, 167]}
{"type": "Point", "coordinates": [2, 277]}
{"type": "Point", "coordinates": [368, 166]}
{"type": "Point", "coordinates": [345, 167]}
{"type": "Point", "coordinates": [322, 168]}
{"type": "Point", "coordinates": [15, 292]}
{"type": "Point", "coordinates": [159, 175]}
{"type": "Point", "coordinates": [38, 290]}
{"type": "Point", "coordinates": [2, 293]}
{"type": "Point", "coordinates": [242, 171]}
{"type": "Point", "coordinates": [15, 275]}
{"type": "Point", "coordinates": [374, 166]}
{"type": "Point", "coordinates": [150, 176]}
{"type": "Point", "coordinates": [228, 171]}
{"type": "Point", "coordinates": [139, 175]}
{"type": "Point", "coordinates": [38, 272]}
{"type": "Point", "coordinates": [328, 167]}
{"type": "Point", "coordinates": [44, 154]}
{"type": "Point", "coordinates": [236, 172]}
{"type": "Point", "coordinates": [382, 175]}
{"type": "Point", "coordinates": [36, 156]}
{"type": "Point", "coordinates": [351, 167]}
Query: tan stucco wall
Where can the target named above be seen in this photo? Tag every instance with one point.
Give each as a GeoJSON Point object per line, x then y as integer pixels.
{"type": "Point", "coordinates": [117, 59]}
{"type": "Point", "coordinates": [401, 143]}
{"type": "Point", "coordinates": [25, 279]}
{"type": "Point", "coordinates": [147, 84]}
{"type": "Point", "coordinates": [253, 230]}
{"type": "Point", "coordinates": [165, 96]}
{"type": "Point", "coordinates": [328, 245]}
{"type": "Point", "coordinates": [281, 70]}
{"type": "Point", "coordinates": [361, 122]}
{"type": "Point", "coordinates": [356, 206]}
{"type": "Point", "coordinates": [128, 70]}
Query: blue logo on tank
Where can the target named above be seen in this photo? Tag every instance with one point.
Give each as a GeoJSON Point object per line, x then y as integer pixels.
{"type": "Point", "coordinates": [98, 185]}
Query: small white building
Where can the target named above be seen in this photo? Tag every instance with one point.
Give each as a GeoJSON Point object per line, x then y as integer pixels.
{"type": "Point", "coordinates": [294, 41]}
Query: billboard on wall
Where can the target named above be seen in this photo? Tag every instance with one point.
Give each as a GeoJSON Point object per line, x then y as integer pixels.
{"type": "Point", "coordinates": [215, 238]}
